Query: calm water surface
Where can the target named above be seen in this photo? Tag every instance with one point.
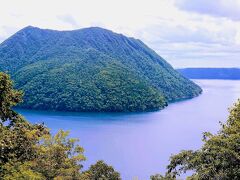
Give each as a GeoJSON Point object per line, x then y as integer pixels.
{"type": "Point", "coordinates": [139, 145]}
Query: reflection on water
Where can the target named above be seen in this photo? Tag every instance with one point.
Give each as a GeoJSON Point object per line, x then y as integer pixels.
{"type": "Point", "coordinates": [139, 144]}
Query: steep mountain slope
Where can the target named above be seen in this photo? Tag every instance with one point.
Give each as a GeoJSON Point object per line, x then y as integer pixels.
{"type": "Point", "coordinates": [90, 69]}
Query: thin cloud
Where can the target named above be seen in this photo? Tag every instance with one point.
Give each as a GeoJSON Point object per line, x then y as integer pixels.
{"type": "Point", "coordinates": [218, 8]}
{"type": "Point", "coordinates": [68, 19]}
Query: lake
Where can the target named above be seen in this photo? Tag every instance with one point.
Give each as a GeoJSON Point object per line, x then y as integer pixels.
{"type": "Point", "coordinates": [140, 144]}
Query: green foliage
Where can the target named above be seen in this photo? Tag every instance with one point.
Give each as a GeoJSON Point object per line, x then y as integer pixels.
{"type": "Point", "coordinates": [20, 171]}
{"type": "Point", "coordinates": [110, 88]}
{"type": "Point", "coordinates": [219, 157]}
{"type": "Point", "coordinates": [58, 157]}
{"type": "Point", "coordinates": [52, 157]}
{"type": "Point", "coordinates": [17, 136]}
{"type": "Point", "coordinates": [161, 177]}
{"type": "Point", "coordinates": [101, 171]}
{"type": "Point", "coordinates": [28, 151]}
{"type": "Point", "coordinates": [17, 143]}
{"type": "Point", "coordinates": [8, 98]}
{"type": "Point", "coordinates": [90, 69]}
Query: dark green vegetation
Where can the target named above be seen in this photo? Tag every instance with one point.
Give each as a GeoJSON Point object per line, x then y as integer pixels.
{"type": "Point", "coordinates": [91, 69]}
{"type": "Point", "coordinates": [211, 73]}
{"type": "Point", "coordinates": [29, 151]}
{"type": "Point", "coordinates": [219, 157]}
{"type": "Point", "coordinates": [100, 170]}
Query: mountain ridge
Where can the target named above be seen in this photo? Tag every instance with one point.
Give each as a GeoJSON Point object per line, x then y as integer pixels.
{"type": "Point", "coordinates": [108, 65]}
{"type": "Point", "coordinates": [211, 73]}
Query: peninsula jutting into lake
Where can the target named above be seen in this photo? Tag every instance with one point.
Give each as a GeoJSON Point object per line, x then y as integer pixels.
{"type": "Point", "coordinates": [91, 69]}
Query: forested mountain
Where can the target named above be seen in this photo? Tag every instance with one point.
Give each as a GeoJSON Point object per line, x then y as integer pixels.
{"type": "Point", "coordinates": [211, 73]}
{"type": "Point", "coordinates": [91, 69]}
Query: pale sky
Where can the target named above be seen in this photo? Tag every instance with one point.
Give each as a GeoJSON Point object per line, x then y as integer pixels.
{"type": "Point", "coordinates": [187, 33]}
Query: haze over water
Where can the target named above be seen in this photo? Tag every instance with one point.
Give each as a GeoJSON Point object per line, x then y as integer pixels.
{"type": "Point", "coordinates": [140, 144]}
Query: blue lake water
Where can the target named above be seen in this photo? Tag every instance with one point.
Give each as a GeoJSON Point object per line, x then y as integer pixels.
{"type": "Point", "coordinates": [140, 144]}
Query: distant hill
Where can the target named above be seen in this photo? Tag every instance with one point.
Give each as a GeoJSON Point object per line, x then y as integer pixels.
{"type": "Point", "coordinates": [211, 73]}
{"type": "Point", "coordinates": [91, 69]}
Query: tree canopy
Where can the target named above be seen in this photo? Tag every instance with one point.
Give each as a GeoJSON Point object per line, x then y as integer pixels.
{"type": "Point", "coordinates": [8, 98]}
{"type": "Point", "coordinates": [101, 171]}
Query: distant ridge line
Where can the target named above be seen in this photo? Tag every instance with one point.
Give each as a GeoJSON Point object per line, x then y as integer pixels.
{"type": "Point", "coordinates": [211, 73]}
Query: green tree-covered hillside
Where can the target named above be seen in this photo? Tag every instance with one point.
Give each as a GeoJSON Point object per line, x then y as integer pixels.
{"type": "Point", "coordinates": [90, 69]}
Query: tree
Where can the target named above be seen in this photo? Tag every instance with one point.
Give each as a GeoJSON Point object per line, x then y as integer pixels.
{"type": "Point", "coordinates": [9, 97]}
{"type": "Point", "coordinates": [219, 157]}
{"type": "Point", "coordinates": [17, 136]}
{"type": "Point", "coordinates": [161, 177]}
{"type": "Point", "coordinates": [29, 151]}
{"type": "Point", "coordinates": [101, 171]}
{"type": "Point", "coordinates": [58, 157]}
